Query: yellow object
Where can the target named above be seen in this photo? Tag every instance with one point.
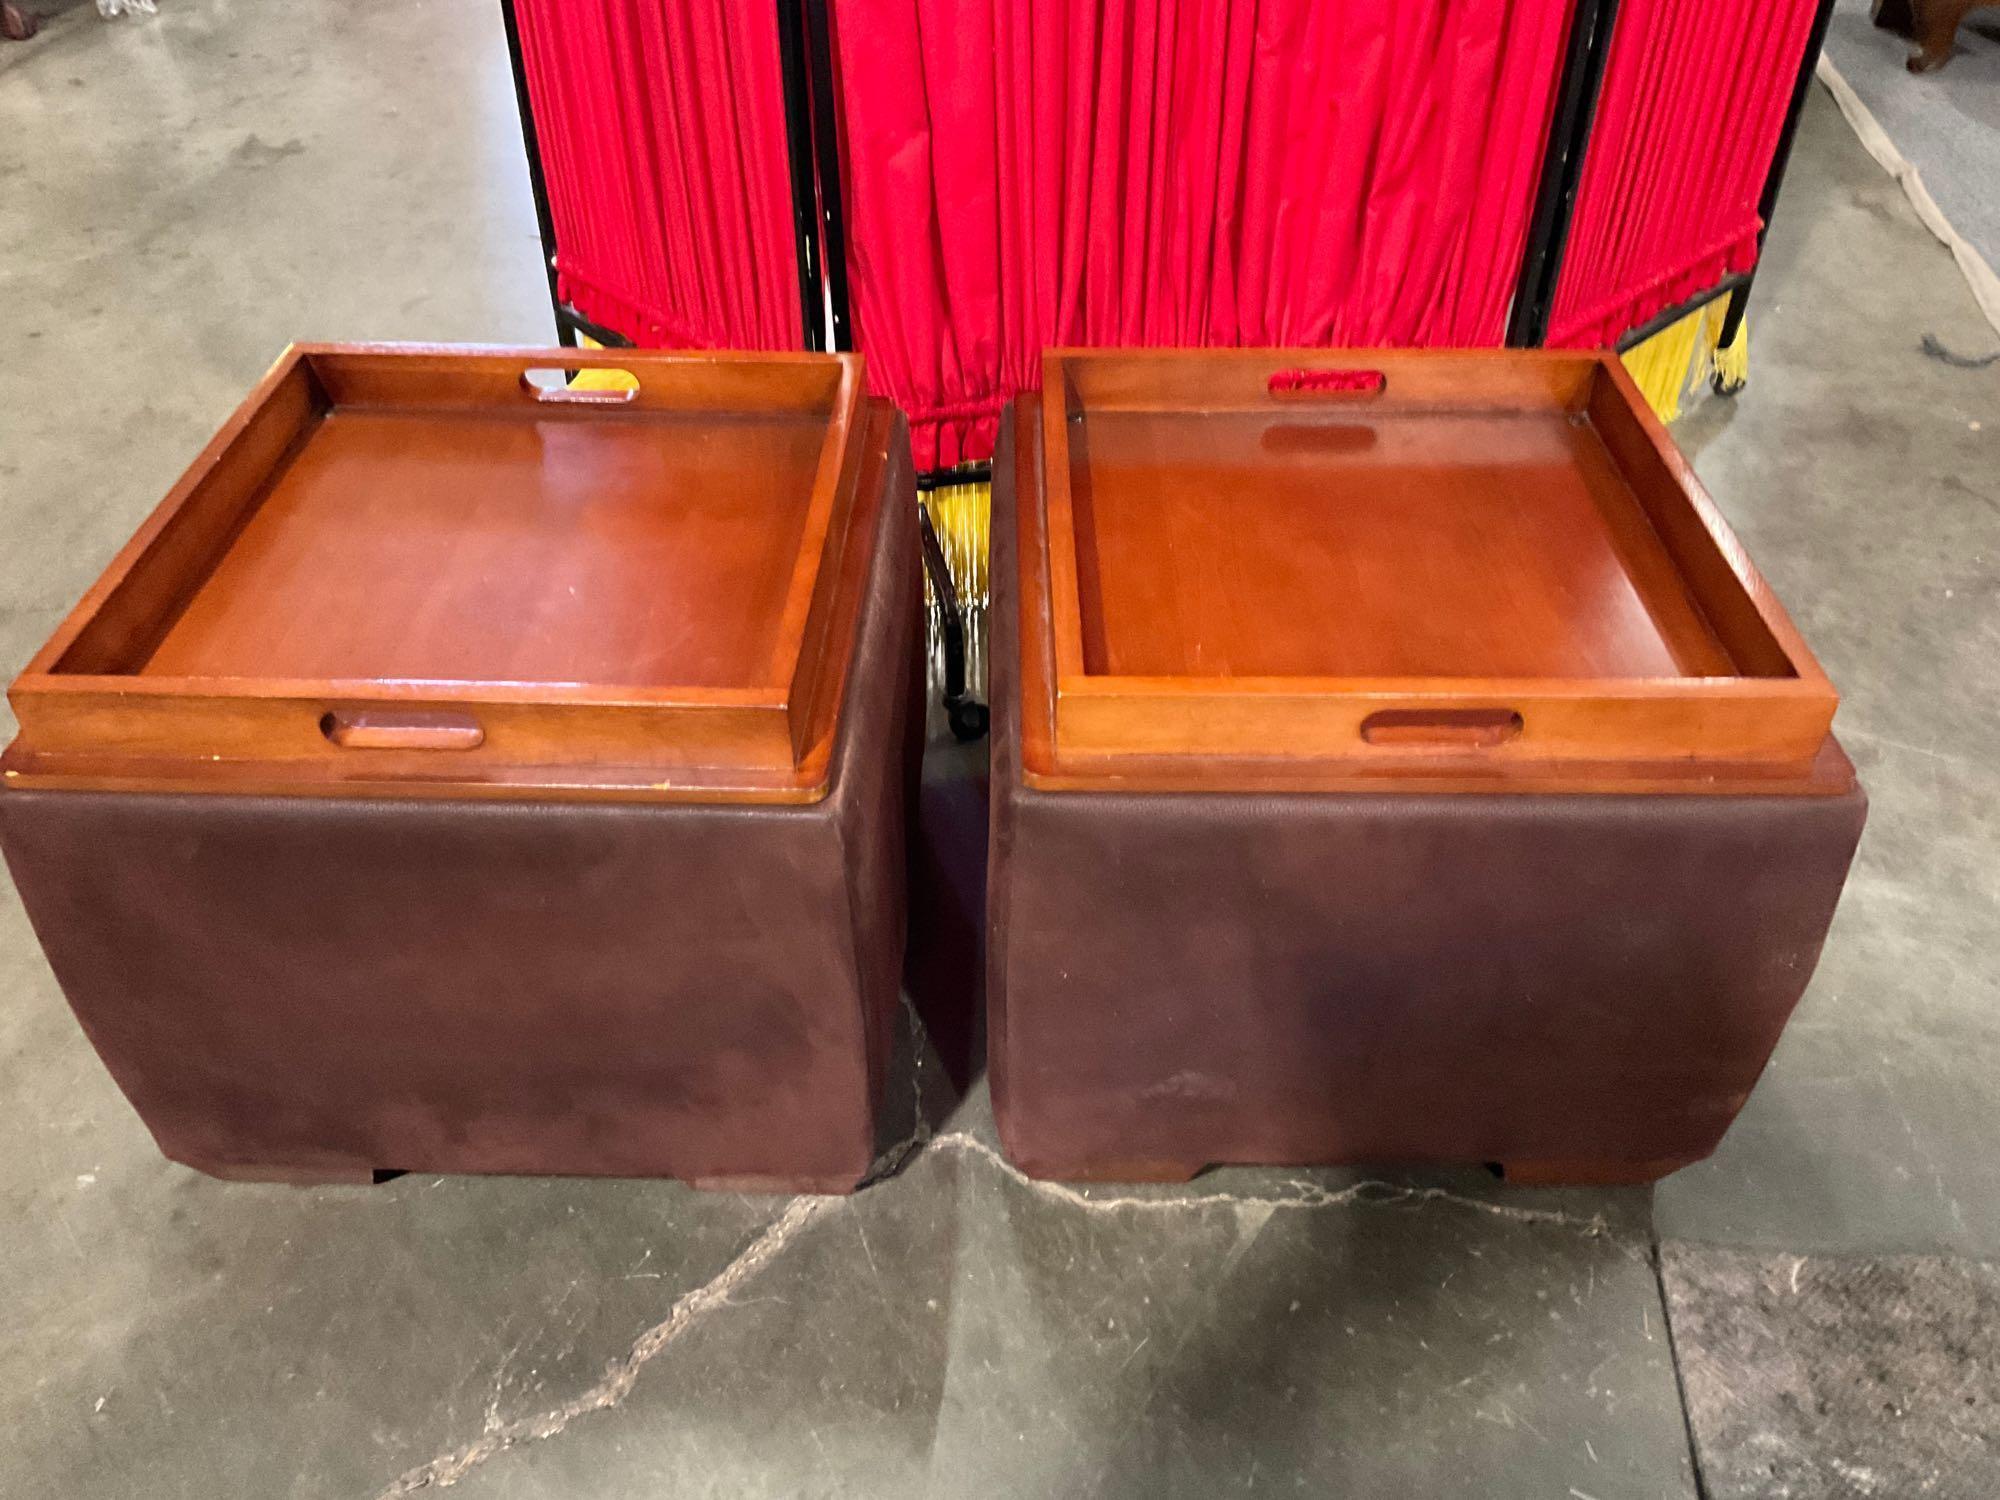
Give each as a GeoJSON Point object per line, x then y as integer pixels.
{"type": "Point", "coordinates": [600, 380]}
{"type": "Point", "coordinates": [1682, 355]}
{"type": "Point", "coordinates": [962, 516]}
{"type": "Point", "coordinates": [1732, 365]}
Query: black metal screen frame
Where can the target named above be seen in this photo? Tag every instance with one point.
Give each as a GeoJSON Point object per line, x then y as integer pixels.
{"type": "Point", "coordinates": [1774, 181]}
{"type": "Point", "coordinates": [823, 106]}
{"type": "Point", "coordinates": [803, 166]}
{"type": "Point", "coordinates": [803, 161]}
{"type": "Point", "coordinates": [1661, 321]}
{"type": "Point", "coordinates": [1577, 94]}
{"type": "Point", "coordinates": [537, 184]}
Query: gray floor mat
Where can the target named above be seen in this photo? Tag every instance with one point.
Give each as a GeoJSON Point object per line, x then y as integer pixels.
{"type": "Point", "coordinates": [1947, 123]}
{"type": "Point", "coordinates": [1836, 1376]}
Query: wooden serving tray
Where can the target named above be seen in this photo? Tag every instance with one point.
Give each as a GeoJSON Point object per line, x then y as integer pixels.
{"type": "Point", "coordinates": [423, 571]}
{"type": "Point", "coordinates": [1249, 567]}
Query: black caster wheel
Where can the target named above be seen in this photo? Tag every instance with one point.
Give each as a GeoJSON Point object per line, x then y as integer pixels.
{"type": "Point", "coordinates": [1728, 385]}
{"type": "Point", "coordinates": [967, 719]}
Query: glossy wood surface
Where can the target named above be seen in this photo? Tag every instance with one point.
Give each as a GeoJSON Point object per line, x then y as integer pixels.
{"type": "Point", "coordinates": [402, 570]}
{"type": "Point", "coordinates": [1453, 544]}
{"type": "Point", "coordinates": [1495, 574]}
{"type": "Point", "coordinates": [417, 545]}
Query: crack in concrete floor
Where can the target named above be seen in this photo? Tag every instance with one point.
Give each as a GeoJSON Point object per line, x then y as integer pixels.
{"type": "Point", "coordinates": [801, 1213]}
{"type": "Point", "coordinates": [449, 1467]}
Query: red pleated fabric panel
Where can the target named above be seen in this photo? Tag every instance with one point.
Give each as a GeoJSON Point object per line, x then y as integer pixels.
{"type": "Point", "coordinates": [1024, 173]}
{"type": "Point", "coordinates": [1693, 102]}
{"type": "Point", "coordinates": [661, 125]}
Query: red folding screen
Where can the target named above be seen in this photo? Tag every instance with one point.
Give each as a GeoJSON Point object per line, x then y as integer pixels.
{"type": "Point", "coordinates": [661, 127]}
{"type": "Point", "coordinates": [1688, 120]}
{"type": "Point", "coordinates": [1026, 173]}
{"type": "Point", "coordinates": [1023, 173]}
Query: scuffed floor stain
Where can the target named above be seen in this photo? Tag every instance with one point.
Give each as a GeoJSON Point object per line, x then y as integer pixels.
{"type": "Point", "coordinates": [256, 152]}
{"type": "Point", "coordinates": [1826, 1377]}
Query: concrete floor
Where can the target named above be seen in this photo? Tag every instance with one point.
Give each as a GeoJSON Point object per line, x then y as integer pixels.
{"type": "Point", "coordinates": [180, 196]}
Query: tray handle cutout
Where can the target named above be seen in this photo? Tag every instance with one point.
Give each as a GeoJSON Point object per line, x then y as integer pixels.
{"type": "Point", "coordinates": [1339, 384]}
{"type": "Point", "coordinates": [580, 385]}
{"type": "Point", "coordinates": [381, 729]}
{"type": "Point", "coordinates": [1441, 728]}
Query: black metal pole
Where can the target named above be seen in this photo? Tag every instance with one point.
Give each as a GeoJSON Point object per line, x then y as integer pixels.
{"type": "Point", "coordinates": [826, 152]}
{"type": "Point", "coordinates": [1562, 170]}
{"type": "Point", "coordinates": [941, 479]}
{"type": "Point", "coordinates": [1774, 180]}
{"type": "Point", "coordinates": [537, 183]}
{"type": "Point", "coordinates": [799, 150]}
{"type": "Point", "coordinates": [947, 601]}
{"type": "Point", "coordinates": [576, 322]}
{"type": "Point", "coordinates": [966, 716]}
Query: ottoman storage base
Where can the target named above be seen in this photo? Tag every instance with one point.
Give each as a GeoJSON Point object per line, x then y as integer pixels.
{"type": "Point", "coordinates": [1571, 988]}
{"type": "Point", "coordinates": [575, 845]}
{"type": "Point", "coordinates": [1395, 760]}
{"type": "Point", "coordinates": [312, 990]}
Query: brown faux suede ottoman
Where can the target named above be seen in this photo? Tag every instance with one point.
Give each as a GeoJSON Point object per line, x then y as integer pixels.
{"type": "Point", "coordinates": [1425, 963]}
{"type": "Point", "coordinates": [637, 971]}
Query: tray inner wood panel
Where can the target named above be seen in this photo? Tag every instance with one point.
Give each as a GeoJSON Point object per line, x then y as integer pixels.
{"type": "Point", "coordinates": [649, 550]}
{"type": "Point", "coordinates": [1395, 544]}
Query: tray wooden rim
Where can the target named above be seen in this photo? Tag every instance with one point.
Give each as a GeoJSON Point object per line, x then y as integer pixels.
{"type": "Point", "coordinates": [784, 727]}
{"type": "Point", "coordinates": [1053, 760]}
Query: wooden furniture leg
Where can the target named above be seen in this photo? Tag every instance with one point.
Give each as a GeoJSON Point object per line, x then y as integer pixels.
{"type": "Point", "coordinates": [16, 25]}
{"type": "Point", "coordinates": [1937, 23]}
{"type": "Point", "coordinates": [1931, 24]}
